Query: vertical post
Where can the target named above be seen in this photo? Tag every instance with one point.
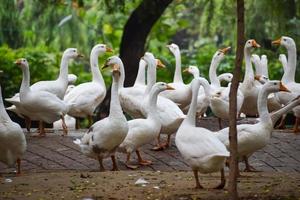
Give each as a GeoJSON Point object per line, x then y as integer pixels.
{"type": "Point", "coordinates": [233, 102]}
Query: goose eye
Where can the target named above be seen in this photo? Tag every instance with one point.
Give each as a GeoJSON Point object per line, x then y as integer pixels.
{"type": "Point", "coordinates": [74, 50]}
{"type": "Point", "coordinates": [284, 39]}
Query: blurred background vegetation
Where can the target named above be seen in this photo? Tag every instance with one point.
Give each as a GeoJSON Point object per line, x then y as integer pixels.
{"type": "Point", "coordinates": [41, 30]}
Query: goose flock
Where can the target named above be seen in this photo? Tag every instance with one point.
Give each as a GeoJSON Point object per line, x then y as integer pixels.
{"type": "Point", "coordinates": [156, 108]}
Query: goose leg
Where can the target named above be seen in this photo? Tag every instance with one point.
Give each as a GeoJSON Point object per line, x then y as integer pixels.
{"type": "Point", "coordinates": [249, 168]}
{"type": "Point", "coordinates": [77, 123]}
{"type": "Point", "coordinates": [64, 126]}
{"type": "Point", "coordinates": [281, 125]}
{"type": "Point", "coordinates": [18, 166]}
{"type": "Point", "coordinates": [127, 162]}
{"type": "Point", "coordinates": [102, 169]}
{"type": "Point", "coordinates": [158, 146]}
{"type": "Point", "coordinates": [27, 123]}
{"type": "Point", "coordinates": [198, 185]}
{"type": "Point", "coordinates": [42, 132]}
{"type": "Point", "coordinates": [223, 180]}
{"type": "Point", "coordinates": [115, 166]}
{"type": "Point", "coordinates": [296, 126]}
{"type": "Point", "coordinates": [141, 161]}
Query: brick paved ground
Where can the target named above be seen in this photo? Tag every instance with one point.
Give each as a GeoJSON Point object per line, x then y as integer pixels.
{"type": "Point", "coordinates": [55, 152]}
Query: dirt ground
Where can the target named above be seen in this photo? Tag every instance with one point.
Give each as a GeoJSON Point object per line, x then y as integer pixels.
{"type": "Point", "coordinates": [162, 185]}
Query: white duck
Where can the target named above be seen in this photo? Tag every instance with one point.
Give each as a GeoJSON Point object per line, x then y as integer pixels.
{"type": "Point", "coordinates": [143, 131]}
{"type": "Point", "coordinates": [41, 105]}
{"type": "Point", "coordinates": [199, 146]}
{"type": "Point", "coordinates": [12, 139]}
{"type": "Point", "coordinates": [252, 137]}
{"type": "Point", "coordinates": [104, 136]}
{"type": "Point", "coordinates": [219, 99]}
{"type": "Point", "coordinates": [288, 77]}
{"type": "Point", "coordinates": [87, 96]}
{"type": "Point", "coordinates": [169, 113]}
{"type": "Point", "coordinates": [17, 107]}
{"type": "Point", "coordinates": [203, 98]}
{"type": "Point", "coordinates": [131, 97]}
{"type": "Point", "coordinates": [248, 87]}
{"type": "Point", "coordinates": [182, 93]}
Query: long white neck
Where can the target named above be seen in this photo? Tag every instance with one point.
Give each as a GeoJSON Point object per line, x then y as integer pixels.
{"type": "Point", "coordinates": [152, 103]}
{"type": "Point", "coordinates": [276, 115]}
{"type": "Point", "coordinates": [289, 73]}
{"type": "Point", "coordinates": [191, 116]}
{"type": "Point", "coordinates": [122, 76]}
{"type": "Point", "coordinates": [213, 73]}
{"type": "Point", "coordinates": [3, 114]}
{"type": "Point", "coordinates": [196, 73]}
{"type": "Point", "coordinates": [97, 76]}
{"type": "Point", "coordinates": [63, 70]}
{"type": "Point", "coordinates": [25, 82]}
{"type": "Point", "coordinates": [206, 86]}
{"type": "Point", "coordinates": [115, 107]}
{"type": "Point", "coordinates": [249, 75]}
{"type": "Point", "coordinates": [177, 75]}
{"type": "Point", "coordinates": [264, 67]}
{"type": "Point", "coordinates": [262, 106]}
{"type": "Point", "coordinates": [151, 75]}
{"type": "Point", "coordinates": [140, 78]}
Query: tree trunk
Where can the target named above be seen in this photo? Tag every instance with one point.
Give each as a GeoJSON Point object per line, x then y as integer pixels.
{"type": "Point", "coordinates": [233, 102]}
{"type": "Point", "coordinates": [132, 47]}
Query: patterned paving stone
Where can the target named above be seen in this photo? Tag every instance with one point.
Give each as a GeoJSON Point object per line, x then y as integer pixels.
{"type": "Point", "coordinates": [55, 152]}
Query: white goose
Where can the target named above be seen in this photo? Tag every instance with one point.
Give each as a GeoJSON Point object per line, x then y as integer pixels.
{"type": "Point", "coordinates": [219, 99]}
{"type": "Point", "coordinates": [288, 77]}
{"type": "Point", "coordinates": [248, 87]}
{"type": "Point", "coordinates": [104, 136]}
{"type": "Point", "coordinates": [169, 113]}
{"type": "Point", "coordinates": [252, 137]}
{"type": "Point", "coordinates": [57, 87]}
{"type": "Point", "coordinates": [199, 146]}
{"type": "Point", "coordinates": [87, 96]}
{"type": "Point", "coordinates": [42, 105]}
{"type": "Point", "coordinates": [143, 131]}
{"type": "Point", "coordinates": [12, 139]}
{"type": "Point", "coordinates": [182, 93]}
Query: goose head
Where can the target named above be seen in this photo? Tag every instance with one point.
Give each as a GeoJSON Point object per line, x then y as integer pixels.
{"type": "Point", "coordinates": [100, 49]}
{"type": "Point", "coordinates": [192, 70]}
{"type": "Point", "coordinates": [250, 44]}
{"type": "Point", "coordinates": [261, 78]}
{"type": "Point", "coordinates": [71, 53]}
{"type": "Point", "coordinates": [71, 79]}
{"type": "Point", "coordinates": [161, 86]}
{"type": "Point", "coordinates": [285, 41]}
{"type": "Point", "coordinates": [219, 55]}
{"type": "Point", "coordinates": [149, 58]}
{"type": "Point", "coordinates": [174, 48]}
{"type": "Point", "coordinates": [226, 77]}
{"type": "Point", "coordinates": [22, 63]}
{"type": "Point", "coordinates": [112, 61]}
{"type": "Point", "coordinates": [275, 86]}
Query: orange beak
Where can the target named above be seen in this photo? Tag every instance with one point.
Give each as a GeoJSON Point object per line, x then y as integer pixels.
{"type": "Point", "coordinates": [255, 44]}
{"type": "Point", "coordinates": [169, 87]}
{"type": "Point", "coordinates": [283, 88]}
{"type": "Point", "coordinates": [186, 70]}
{"type": "Point", "coordinates": [225, 50]}
{"type": "Point", "coordinates": [277, 42]}
{"type": "Point", "coordinates": [160, 64]}
{"type": "Point", "coordinates": [105, 65]}
{"type": "Point", "coordinates": [108, 49]}
{"type": "Point", "coordinates": [18, 62]}
{"type": "Point", "coordinates": [80, 55]}
{"type": "Point", "coordinates": [257, 77]}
